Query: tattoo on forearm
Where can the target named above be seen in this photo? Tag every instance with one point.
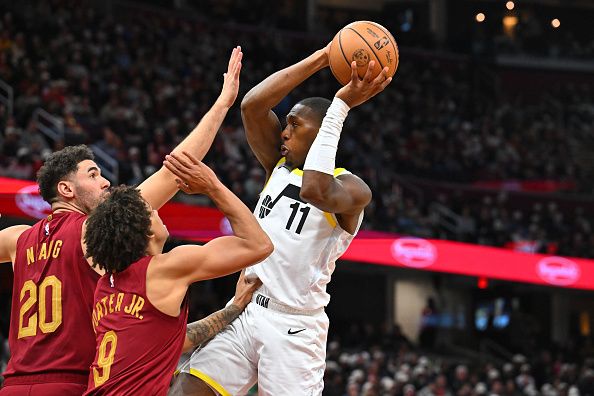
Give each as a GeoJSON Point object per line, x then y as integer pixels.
{"type": "Point", "coordinates": [204, 329]}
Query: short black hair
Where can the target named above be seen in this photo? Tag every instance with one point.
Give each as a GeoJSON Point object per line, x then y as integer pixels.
{"type": "Point", "coordinates": [118, 230]}
{"type": "Point", "coordinates": [318, 105]}
{"type": "Point", "coordinates": [58, 166]}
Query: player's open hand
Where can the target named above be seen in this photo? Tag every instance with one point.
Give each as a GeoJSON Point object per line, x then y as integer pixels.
{"type": "Point", "coordinates": [359, 90]}
{"type": "Point", "coordinates": [245, 289]}
{"type": "Point", "coordinates": [192, 176]}
{"type": "Point", "coordinates": [231, 79]}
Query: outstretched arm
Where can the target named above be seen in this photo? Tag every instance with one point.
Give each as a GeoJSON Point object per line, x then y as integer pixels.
{"type": "Point", "coordinates": [347, 195]}
{"type": "Point", "coordinates": [262, 126]}
{"type": "Point", "coordinates": [161, 187]}
{"type": "Point", "coordinates": [8, 241]}
{"type": "Point", "coordinates": [203, 330]}
{"type": "Point", "coordinates": [170, 274]}
{"type": "Point", "coordinates": [223, 255]}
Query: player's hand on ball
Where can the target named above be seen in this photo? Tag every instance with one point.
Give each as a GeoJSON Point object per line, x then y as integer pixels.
{"type": "Point", "coordinates": [359, 90]}
{"type": "Point", "coordinates": [231, 79]}
{"type": "Point", "coordinates": [192, 176]}
{"type": "Point", "coordinates": [245, 289]}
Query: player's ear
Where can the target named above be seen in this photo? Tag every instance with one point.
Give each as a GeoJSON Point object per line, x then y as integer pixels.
{"type": "Point", "coordinates": [65, 189]}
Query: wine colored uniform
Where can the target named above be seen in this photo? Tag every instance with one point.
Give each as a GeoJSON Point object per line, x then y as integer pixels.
{"type": "Point", "coordinates": [137, 346]}
{"type": "Point", "coordinates": [51, 337]}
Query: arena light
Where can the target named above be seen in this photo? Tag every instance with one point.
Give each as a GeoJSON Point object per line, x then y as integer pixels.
{"type": "Point", "coordinates": [480, 17]}
{"type": "Point", "coordinates": [482, 283]}
{"type": "Point", "coordinates": [510, 21]}
{"type": "Point", "coordinates": [555, 23]}
{"type": "Point", "coordinates": [510, 5]}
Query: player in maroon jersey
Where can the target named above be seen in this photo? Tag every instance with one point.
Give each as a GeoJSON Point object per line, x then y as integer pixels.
{"type": "Point", "coordinates": [140, 309]}
{"type": "Point", "coordinates": [51, 337]}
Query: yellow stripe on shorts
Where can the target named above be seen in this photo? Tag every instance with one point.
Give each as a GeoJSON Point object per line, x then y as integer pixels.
{"type": "Point", "coordinates": [212, 383]}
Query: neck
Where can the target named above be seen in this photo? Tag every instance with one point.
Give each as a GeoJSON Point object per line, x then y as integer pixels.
{"type": "Point", "coordinates": [154, 248]}
{"type": "Point", "coordinates": [59, 207]}
{"type": "Point", "coordinates": [290, 166]}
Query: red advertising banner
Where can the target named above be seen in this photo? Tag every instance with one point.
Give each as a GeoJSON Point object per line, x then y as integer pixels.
{"type": "Point", "coordinates": [20, 198]}
{"type": "Point", "coordinates": [474, 260]}
{"type": "Point", "coordinates": [527, 185]}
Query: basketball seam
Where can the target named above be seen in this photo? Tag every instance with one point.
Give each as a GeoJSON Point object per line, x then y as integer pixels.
{"type": "Point", "coordinates": [343, 54]}
{"type": "Point", "coordinates": [387, 33]}
{"type": "Point", "coordinates": [392, 39]}
{"type": "Point", "coordinates": [370, 47]}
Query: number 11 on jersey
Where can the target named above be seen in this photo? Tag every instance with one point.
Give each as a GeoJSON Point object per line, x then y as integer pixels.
{"type": "Point", "coordinates": [304, 212]}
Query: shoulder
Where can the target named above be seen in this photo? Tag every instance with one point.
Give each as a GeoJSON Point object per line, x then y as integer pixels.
{"type": "Point", "coordinates": [73, 221]}
{"type": "Point", "coordinates": [175, 258]}
{"type": "Point", "coordinates": [16, 231]}
{"type": "Point", "coordinates": [349, 178]}
{"type": "Point", "coordinates": [19, 228]}
{"type": "Point", "coordinates": [358, 190]}
{"type": "Point", "coordinates": [9, 239]}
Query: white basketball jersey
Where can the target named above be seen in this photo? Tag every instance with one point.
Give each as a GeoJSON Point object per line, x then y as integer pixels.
{"type": "Point", "coordinates": [307, 241]}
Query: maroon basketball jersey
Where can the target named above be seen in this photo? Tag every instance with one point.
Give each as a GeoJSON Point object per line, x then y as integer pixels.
{"type": "Point", "coordinates": [137, 345]}
{"type": "Point", "coordinates": [51, 335]}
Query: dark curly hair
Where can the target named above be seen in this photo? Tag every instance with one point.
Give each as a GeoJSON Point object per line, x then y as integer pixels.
{"type": "Point", "coordinates": [118, 230]}
{"type": "Point", "coordinates": [58, 167]}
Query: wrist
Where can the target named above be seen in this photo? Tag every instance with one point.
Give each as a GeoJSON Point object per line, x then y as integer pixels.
{"type": "Point", "coordinates": [239, 304]}
{"type": "Point", "coordinates": [215, 190]}
{"type": "Point", "coordinates": [344, 96]}
{"type": "Point", "coordinates": [340, 105]}
{"type": "Point", "coordinates": [220, 105]}
{"type": "Point", "coordinates": [320, 59]}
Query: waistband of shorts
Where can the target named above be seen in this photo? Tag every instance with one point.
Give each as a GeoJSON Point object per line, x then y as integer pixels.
{"type": "Point", "coordinates": [31, 379]}
{"type": "Point", "coordinates": [270, 303]}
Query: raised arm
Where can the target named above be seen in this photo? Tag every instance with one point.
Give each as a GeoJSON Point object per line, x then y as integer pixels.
{"type": "Point", "coordinates": [345, 195]}
{"type": "Point", "coordinates": [161, 187]}
{"type": "Point", "coordinates": [203, 330]}
{"type": "Point", "coordinates": [262, 126]}
{"type": "Point", "coordinates": [8, 241]}
{"type": "Point", "coordinates": [221, 256]}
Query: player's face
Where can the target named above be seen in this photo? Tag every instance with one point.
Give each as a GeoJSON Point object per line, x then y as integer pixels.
{"type": "Point", "coordinates": [298, 136]}
{"type": "Point", "coordinates": [159, 231]}
{"type": "Point", "coordinates": [90, 188]}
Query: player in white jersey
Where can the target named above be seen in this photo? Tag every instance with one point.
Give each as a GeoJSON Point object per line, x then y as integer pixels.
{"type": "Point", "coordinates": [311, 211]}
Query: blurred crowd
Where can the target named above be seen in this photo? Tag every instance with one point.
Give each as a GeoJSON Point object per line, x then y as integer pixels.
{"type": "Point", "coordinates": [492, 221]}
{"type": "Point", "coordinates": [369, 362]}
{"type": "Point", "coordinates": [135, 82]}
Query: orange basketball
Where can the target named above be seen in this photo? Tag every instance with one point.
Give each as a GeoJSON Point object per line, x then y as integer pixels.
{"type": "Point", "coordinates": [362, 41]}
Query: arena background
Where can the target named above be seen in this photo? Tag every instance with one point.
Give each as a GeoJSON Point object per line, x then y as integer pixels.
{"type": "Point", "coordinates": [473, 272]}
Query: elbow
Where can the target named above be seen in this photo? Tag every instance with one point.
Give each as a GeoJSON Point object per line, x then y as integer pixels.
{"type": "Point", "coordinates": [266, 248]}
{"type": "Point", "coordinates": [262, 248]}
{"type": "Point", "coordinates": [248, 102]}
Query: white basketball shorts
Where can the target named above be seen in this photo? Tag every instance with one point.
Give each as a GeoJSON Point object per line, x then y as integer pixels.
{"type": "Point", "coordinates": [281, 348]}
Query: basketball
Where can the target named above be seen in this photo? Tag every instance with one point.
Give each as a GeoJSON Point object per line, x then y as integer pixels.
{"type": "Point", "coordinates": [362, 41]}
